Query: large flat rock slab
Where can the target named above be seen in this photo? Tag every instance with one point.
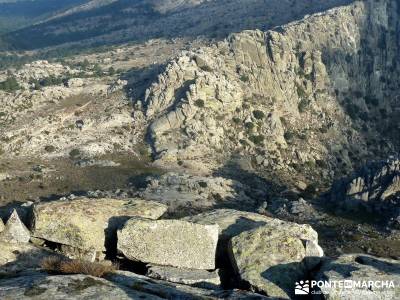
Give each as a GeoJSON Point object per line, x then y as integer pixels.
{"type": "Point", "coordinates": [233, 222]}
{"type": "Point", "coordinates": [169, 242]}
{"type": "Point", "coordinates": [18, 257]}
{"type": "Point", "coordinates": [361, 268]}
{"type": "Point", "coordinates": [89, 223]}
{"type": "Point", "coordinates": [199, 278]}
{"type": "Point", "coordinates": [77, 287]}
{"type": "Point", "coordinates": [122, 286]}
{"type": "Point", "coordinates": [169, 290]}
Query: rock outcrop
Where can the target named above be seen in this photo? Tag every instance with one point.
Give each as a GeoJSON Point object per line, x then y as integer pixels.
{"type": "Point", "coordinates": [232, 223]}
{"type": "Point", "coordinates": [285, 97]}
{"type": "Point", "coordinates": [123, 285]}
{"type": "Point", "coordinates": [378, 278]}
{"type": "Point", "coordinates": [271, 258]}
{"type": "Point", "coordinates": [376, 186]}
{"type": "Point", "coordinates": [193, 277]}
{"type": "Point", "coordinates": [177, 291]}
{"type": "Point", "coordinates": [89, 224]}
{"type": "Point", "coordinates": [15, 231]}
{"type": "Point", "coordinates": [20, 257]}
{"type": "Point", "coordinates": [169, 242]}
{"type": "Point", "coordinates": [267, 253]}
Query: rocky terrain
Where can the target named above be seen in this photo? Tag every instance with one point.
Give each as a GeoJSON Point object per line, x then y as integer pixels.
{"type": "Point", "coordinates": [284, 98]}
{"type": "Point", "coordinates": [179, 168]}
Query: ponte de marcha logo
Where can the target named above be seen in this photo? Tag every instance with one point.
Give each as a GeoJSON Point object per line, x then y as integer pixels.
{"type": "Point", "coordinates": [302, 287]}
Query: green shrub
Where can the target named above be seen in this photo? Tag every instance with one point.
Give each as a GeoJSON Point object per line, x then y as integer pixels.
{"type": "Point", "coordinates": [243, 142]}
{"type": "Point", "coordinates": [249, 125]}
{"type": "Point", "coordinates": [303, 104]}
{"type": "Point", "coordinates": [244, 78]}
{"type": "Point", "coordinates": [236, 120]}
{"type": "Point", "coordinates": [199, 103]}
{"type": "Point", "coordinates": [74, 153]}
{"type": "Point", "coordinates": [206, 68]}
{"type": "Point", "coordinates": [245, 106]}
{"type": "Point", "coordinates": [257, 139]}
{"type": "Point", "coordinates": [50, 148]}
{"type": "Point", "coordinates": [288, 135]}
{"type": "Point", "coordinates": [371, 100]}
{"type": "Point", "coordinates": [352, 110]}
{"type": "Point", "coordinates": [111, 71]}
{"type": "Point", "coordinates": [10, 85]}
{"type": "Point", "coordinates": [301, 92]}
{"type": "Point", "coordinates": [258, 114]}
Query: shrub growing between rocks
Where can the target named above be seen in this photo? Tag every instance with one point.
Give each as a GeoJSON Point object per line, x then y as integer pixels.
{"type": "Point", "coordinates": [60, 265]}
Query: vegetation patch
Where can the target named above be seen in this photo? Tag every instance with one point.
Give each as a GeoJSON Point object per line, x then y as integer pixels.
{"type": "Point", "coordinates": [10, 85]}
{"type": "Point", "coordinates": [60, 265]}
{"type": "Point", "coordinates": [199, 103]}
{"type": "Point", "coordinates": [258, 114]}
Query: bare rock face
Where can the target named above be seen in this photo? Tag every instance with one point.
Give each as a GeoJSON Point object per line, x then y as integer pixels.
{"type": "Point", "coordinates": [42, 286]}
{"type": "Point", "coordinates": [175, 290]}
{"type": "Point", "coordinates": [232, 223]}
{"type": "Point", "coordinates": [376, 186]}
{"type": "Point", "coordinates": [284, 96]}
{"type": "Point", "coordinates": [361, 268]}
{"type": "Point", "coordinates": [269, 254]}
{"type": "Point", "coordinates": [1, 225]}
{"type": "Point", "coordinates": [15, 231]}
{"type": "Point", "coordinates": [89, 224]}
{"type": "Point", "coordinates": [270, 258]}
{"type": "Point", "coordinates": [199, 278]}
{"type": "Point", "coordinates": [121, 285]}
{"type": "Point", "coordinates": [19, 257]}
{"type": "Point", "coordinates": [169, 242]}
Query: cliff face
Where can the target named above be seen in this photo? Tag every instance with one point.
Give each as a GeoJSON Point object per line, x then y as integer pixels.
{"type": "Point", "coordinates": [321, 91]}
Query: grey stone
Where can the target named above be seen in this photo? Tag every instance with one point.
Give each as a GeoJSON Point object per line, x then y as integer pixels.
{"type": "Point", "coordinates": [15, 231]}
{"type": "Point", "coordinates": [169, 242]}
{"type": "Point", "coordinates": [79, 287]}
{"type": "Point", "coordinates": [19, 257]}
{"type": "Point", "coordinates": [89, 224]}
{"type": "Point", "coordinates": [170, 290]}
{"type": "Point", "coordinates": [360, 268]}
{"type": "Point", "coordinates": [272, 258]}
{"type": "Point", "coordinates": [198, 278]}
{"type": "Point", "coordinates": [233, 222]}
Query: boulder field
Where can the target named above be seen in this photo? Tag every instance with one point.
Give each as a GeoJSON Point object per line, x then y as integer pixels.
{"type": "Point", "coordinates": [190, 257]}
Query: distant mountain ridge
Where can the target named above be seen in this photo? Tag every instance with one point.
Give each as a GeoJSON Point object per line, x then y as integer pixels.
{"type": "Point", "coordinates": [15, 14]}
{"type": "Point", "coordinates": [110, 21]}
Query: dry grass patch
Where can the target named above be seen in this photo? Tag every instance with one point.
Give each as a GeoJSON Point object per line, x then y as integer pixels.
{"type": "Point", "coordinates": [60, 265]}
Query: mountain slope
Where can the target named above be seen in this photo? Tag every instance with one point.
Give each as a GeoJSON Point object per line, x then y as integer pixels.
{"type": "Point", "coordinates": [310, 99]}
{"type": "Point", "coordinates": [17, 14]}
{"type": "Point", "coordinates": [126, 20]}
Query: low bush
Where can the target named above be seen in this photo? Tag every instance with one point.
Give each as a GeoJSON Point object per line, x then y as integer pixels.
{"type": "Point", "coordinates": [257, 139]}
{"type": "Point", "coordinates": [199, 103]}
{"type": "Point", "coordinates": [10, 85]}
{"type": "Point", "coordinates": [258, 114]}
{"type": "Point", "coordinates": [61, 265]}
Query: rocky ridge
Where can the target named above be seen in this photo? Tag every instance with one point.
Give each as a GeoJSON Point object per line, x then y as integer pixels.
{"type": "Point", "coordinates": [146, 19]}
{"type": "Point", "coordinates": [284, 97]}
